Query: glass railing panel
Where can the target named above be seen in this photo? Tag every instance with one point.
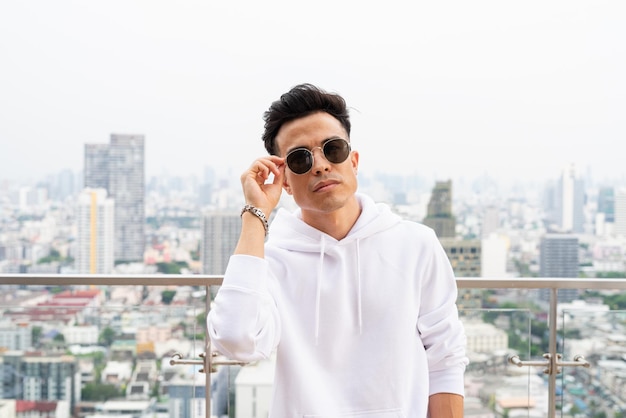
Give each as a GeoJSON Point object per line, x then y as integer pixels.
{"type": "Point", "coordinates": [103, 349]}
{"type": "Point", "coordinates": [494, 386]}
{"type": "Point", "coordinates": [597, 333]}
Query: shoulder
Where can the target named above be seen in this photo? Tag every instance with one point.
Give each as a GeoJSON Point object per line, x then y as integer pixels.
{"type": "Point", "coordinates": [417, 230]}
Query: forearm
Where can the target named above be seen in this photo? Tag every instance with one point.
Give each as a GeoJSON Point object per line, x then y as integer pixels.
{"type": "Point", "coordinates": [445, 405]}
{"type": "Point", "coordinates": [252, 237]}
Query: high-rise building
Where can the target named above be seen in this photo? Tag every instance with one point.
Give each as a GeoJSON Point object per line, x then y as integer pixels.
{"type": "Point", "coordinates": [494, 249]}
{"type": "Point", "coordinates": [95, 222]}
{"type": "Point", "coordinates": [15, 336]}
{"type": "Point", "coordinates": [119, 168]}
{"type": "Point", "coordinates": [36, 376]}
{"type": "Point", "coordinates": [491, 221]}
{"type": "Point", "coordinates": [620, 212]}
{"type": "Point", "coordinates": [439, 215]}
{"type": "Point", "coordinates": [558, 257]}
{"type": "Point", "coordinates": [96, 166]}
{"type": "Point", "coordinates": [464, 255]}
{"type": "Point", "coordinates": [64, 185]}
{"type": "Point", "coordinates": [186, 396]}
{"type": "Point", "coordinates": [606, 203]}
{"type": "Point", "coordinates": [570, 201]}
{"type": "Point", "coordinates": [127, 187]}
{"type": "Point", "coordinates": [220, 233]}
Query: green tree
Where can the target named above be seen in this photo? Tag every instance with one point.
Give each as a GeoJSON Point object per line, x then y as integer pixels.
{"type": "Point", "coordinates": [616, 301]}
{"type": "Point", "coordinates": [171, 268]}
{"type": "Point", "coordinates": [167, 296]}
{"type": "Point", "coordinates": [36, 335]}
{"type": "Point", "coordinates": [106, 337]}
{"type": "Point", "coordinates": [99, 392]}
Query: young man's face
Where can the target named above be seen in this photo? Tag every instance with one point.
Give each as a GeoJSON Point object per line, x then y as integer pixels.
{"type": "Point", "coordinates": [327, 186]}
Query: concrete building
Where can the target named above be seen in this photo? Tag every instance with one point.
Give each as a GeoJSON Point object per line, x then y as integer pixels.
{"type": "Point", "coordinates": [485, 338]}
{"type": "Point", "coordinates": [558, 257]}
{"type": "Point", "coordinates": [39, 377]}
{"type": "Point", "coordinates": [220, 233]}
{"type": "Point", "coordinates": [15, 336]}
{"type": "Point", "coordinates": [118, 167]}
{"type": "Point", "coordinates": [494, 255]}
{"type": "Point", "coordinates": [186, 395]}
{"type": "Point", "coordinates": [95, 224]}
{"type": "Point", "coordinates": [570, 201]}
{"type": "Point", "coordinates": [620, 212]}
{"type": "Point", "coordinates": [253, 389]}
{"type": "Point", "coordinates": [439, 214]}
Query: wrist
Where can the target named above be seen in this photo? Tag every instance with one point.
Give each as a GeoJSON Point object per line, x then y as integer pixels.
{"type": "Point", "coordinates": [259, 214]}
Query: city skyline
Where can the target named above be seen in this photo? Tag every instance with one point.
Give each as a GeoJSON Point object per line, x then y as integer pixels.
{"type": "Point", "coordinates": [516, 91]}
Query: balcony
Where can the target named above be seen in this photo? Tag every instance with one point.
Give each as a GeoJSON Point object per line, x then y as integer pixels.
{"type": "Point", "coordinates": [532, 354]}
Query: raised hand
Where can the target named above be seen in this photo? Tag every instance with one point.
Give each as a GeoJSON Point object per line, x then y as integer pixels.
{"type": "Point", "coordinates": [257, 190]}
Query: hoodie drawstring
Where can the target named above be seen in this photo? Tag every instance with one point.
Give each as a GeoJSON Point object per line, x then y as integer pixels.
{"type": "Point", "coordinates": [318, 295]}
{"type": "Point", "coordinates": [358, 272]}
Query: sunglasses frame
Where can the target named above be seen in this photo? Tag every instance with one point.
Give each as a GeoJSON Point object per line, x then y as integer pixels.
{"type": "Point", "coordinates": [323, 148]}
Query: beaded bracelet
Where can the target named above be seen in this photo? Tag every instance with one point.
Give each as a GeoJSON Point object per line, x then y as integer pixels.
{"type": "Point", "coordinates": [259, 214]}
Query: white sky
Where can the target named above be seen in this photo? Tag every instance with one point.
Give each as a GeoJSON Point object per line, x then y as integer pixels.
{"type": "Point", "coordinates": [442, 88]}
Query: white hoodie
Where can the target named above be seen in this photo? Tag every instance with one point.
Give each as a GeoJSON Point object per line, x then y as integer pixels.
{"type": "Point", "coordinates": [364, 327]}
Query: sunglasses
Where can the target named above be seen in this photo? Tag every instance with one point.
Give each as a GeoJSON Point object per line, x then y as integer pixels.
{"type": "Point", "coordinates": [300, 160]}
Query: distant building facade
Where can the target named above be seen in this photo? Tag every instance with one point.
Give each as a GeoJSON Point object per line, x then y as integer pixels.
{"type": "Point", "coordinates": [220, 233]}
{"type": "Point", "coordinates": [15, 336]}
{"type": "Point", "coordinates": [620, 212]}
{"type": "Point", "coordinates": [606, 203]}
{"type": "Point", "coordinates": [439, 213]}
{"type": "Point", "coordinates": [95, 224]}
{"type": "Point", "coordinates": [118, 167]}
{"type": "Point", "coordinates": [464, 255]}
{"type": "Point", "coordinates": [37, 376]}
{"type": "Point", "coordinates": [570, 201]}
{"type": "Point", "coordinates": [558, 257]}
{"type": "Point", "coordinates": [186, 397]}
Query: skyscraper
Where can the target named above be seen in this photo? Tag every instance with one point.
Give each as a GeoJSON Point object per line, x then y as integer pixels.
{"type": "Point", "coordinates": [606, 203]}
{"type": "Point", "coordinates": [96, 170]}
{"type": "Point", "coordinates": [464, 255]}
{"type": "Point", "coordinates": [119, 168]}
{"type": "Point", "coordinates": [95, 219]}
{"type": "Point", "coordinates": [570, 201]}
{"type": "Point", "coordinates": [620, 212]}
{"type": "Point", "coordinates": [220, 233]}
{"type": "Point", "coordinates": [439, 216]}
{"type": "Point", "coordinates": [558, 257]}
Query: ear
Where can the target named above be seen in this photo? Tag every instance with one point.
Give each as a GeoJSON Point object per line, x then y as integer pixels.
{"type": "Point", "coordinates": [354, 160]}
{"type": "Point", "coordinates": [286, 186]}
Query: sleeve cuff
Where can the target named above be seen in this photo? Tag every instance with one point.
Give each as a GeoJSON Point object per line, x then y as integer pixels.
{"type": "Point", "coordinates": [246, 271]}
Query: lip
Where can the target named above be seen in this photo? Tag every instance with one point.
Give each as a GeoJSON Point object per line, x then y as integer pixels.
{"type": "Point", "coordinates": [322, 185]}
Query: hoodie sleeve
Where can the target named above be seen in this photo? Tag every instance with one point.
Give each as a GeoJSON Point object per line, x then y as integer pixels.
{"type": "Point", "coordinates": [243, 321]}
{"type": "Point", "coordinates": [439, 326]}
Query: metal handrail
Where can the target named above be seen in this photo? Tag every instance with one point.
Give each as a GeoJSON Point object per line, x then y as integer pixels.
{"type": "Point", "coordinates": [216, 280]}
{"type": "Point", "coordinates": [552, 362]}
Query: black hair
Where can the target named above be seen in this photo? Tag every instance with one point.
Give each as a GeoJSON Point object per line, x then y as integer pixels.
{"type": "Point", "coordinates": [302, 100]}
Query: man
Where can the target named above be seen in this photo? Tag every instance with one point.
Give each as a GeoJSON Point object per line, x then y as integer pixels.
{"type": "Point", "coordinates": [359, 304]}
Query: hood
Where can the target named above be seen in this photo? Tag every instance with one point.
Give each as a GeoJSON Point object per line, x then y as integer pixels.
{"type": "Point", "coordinates": [289, 232]}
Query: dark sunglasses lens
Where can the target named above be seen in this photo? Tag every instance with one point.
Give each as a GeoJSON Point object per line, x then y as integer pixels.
{"type": "Point", "coordinates": [336, 150]}
{"type": "Point", "coordinates": [300, 161]}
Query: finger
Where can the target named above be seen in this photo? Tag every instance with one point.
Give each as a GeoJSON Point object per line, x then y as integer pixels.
{"type": "Point", "coordinates": [277, 163]}
{"type": "Point", "coordinates": [279, 175]}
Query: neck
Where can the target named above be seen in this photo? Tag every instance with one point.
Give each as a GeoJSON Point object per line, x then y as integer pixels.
{"type": "Point", "coordinates": [336, 223]}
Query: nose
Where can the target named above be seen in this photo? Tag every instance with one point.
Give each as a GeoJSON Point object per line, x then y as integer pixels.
{"type": "Point", "coordinates": [320, 163]}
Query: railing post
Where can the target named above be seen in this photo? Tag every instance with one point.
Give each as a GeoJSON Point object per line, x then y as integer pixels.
{"type": "Point", "coordinates": [207, 358]}
{"type": "Point", "coordinates": [552, 353]}
{"type": "Point", "coordinates": [553, 361]}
